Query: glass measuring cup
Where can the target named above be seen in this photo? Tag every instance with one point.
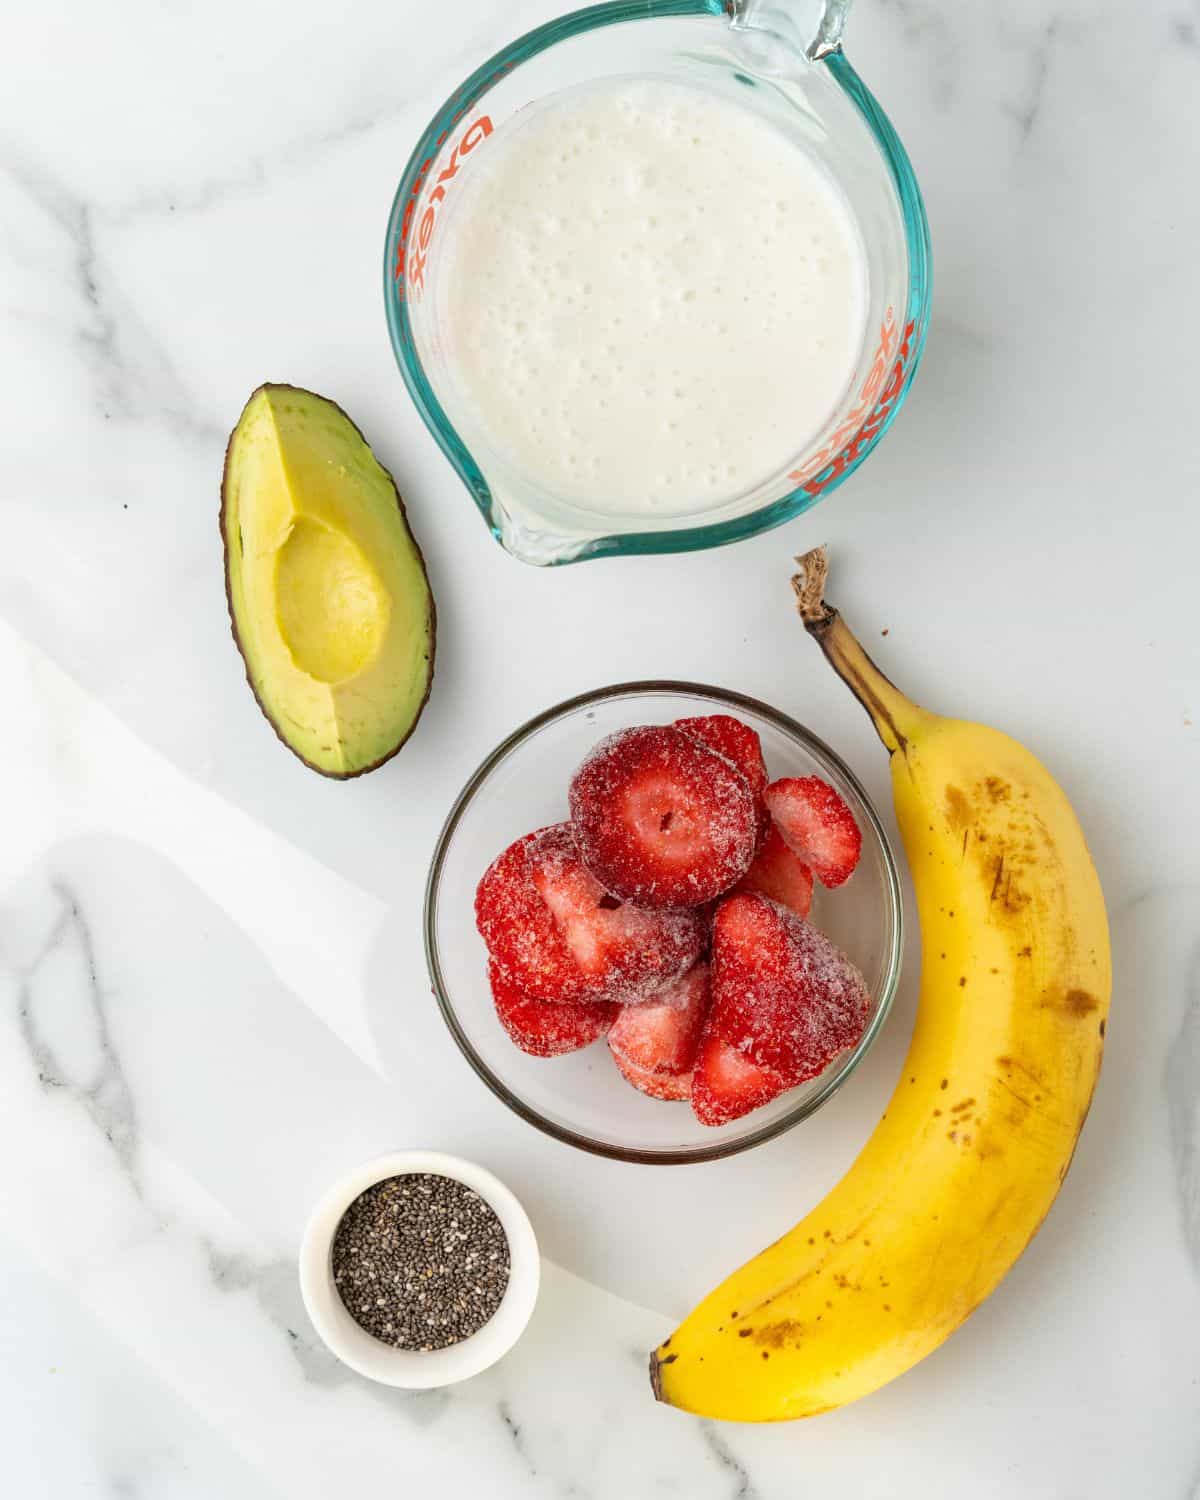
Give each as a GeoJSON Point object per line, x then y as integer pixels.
{"type": "Point", "coordinates": [782, 58]}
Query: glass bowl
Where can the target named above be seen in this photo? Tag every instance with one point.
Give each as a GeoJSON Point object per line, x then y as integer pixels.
{"type": "Point", "coordinates": [522, 785]}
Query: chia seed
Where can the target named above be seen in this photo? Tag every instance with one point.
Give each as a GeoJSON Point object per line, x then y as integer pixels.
{"type": "Point", "coordinates": [420, 1262]}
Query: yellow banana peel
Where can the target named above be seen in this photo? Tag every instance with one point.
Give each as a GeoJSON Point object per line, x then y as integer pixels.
{"type": "Point", "coordinates": [977, 1138]}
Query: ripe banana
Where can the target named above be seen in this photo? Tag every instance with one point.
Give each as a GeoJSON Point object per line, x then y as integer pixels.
{"type": "Point", "coordinates": [977, 1138]}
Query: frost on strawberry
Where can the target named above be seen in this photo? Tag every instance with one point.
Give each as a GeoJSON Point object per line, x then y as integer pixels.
{"type": "Point", "coordinates": [663, 1035]}
{"type": "Point", "coordinates": [662, 820]}
{"type": "Point", "coordinates": [817, 826]}
{"type": "Point", "coordinates": [780, 875]}
{"type": "Point", "coordinates": [658, 1085]}
{"type": "Point", "coordinates": [739, 744]}
{"type": "Point", "coordinates": [547, 1028]}
{"type": "Point", "coordinates": [727, 1085]}
{"type": "Point", "coordinates": [786, 997]}
{"type": "Point", "coordinates": [560, 936]}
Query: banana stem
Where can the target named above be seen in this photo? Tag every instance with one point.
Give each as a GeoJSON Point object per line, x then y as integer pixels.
{"type": "Point", "coordinates": [893, 715]}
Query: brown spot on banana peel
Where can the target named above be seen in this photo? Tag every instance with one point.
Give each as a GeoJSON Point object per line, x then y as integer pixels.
{"type": "Point", "coordinates": [1006, 896]}
{"type": "Point", "coordinates": [998, 1204]}
{"type": "Point", "coordinates": [1019, 1097]}
{"type": "Point", "coordinates": [1009, 1064]}
{"type": "Point", "coordinates": [1079, 1003]}
{"type": "Point", "coordinates": [779, 1334]}
{"type": "Point", "coordinates": [958, 810]}
{"type": "Point", "coordinates": [789, 1286]}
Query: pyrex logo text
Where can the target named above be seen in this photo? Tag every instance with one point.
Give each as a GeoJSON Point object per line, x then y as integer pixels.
{"type": "Point", "coordinates": [412, 253]}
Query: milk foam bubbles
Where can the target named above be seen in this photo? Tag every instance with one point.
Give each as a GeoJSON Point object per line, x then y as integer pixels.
{"type": "Point", "coordinates": [649, 297]}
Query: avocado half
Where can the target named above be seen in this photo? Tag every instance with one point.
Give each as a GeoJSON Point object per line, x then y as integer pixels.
{"type": "Point", "coordinates": [328, 596]}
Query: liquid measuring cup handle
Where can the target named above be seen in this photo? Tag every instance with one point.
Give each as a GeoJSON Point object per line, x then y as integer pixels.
{"type": "Point", "coordinates": [814, 27]}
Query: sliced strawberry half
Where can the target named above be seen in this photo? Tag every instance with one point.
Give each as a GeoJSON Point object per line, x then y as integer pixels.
{"type": "Point", "coordinates": [663, 1034]}
{"type": "Point", "coordinates": [649, 1081]}
{"type": "Point", "coordinates": [520, 932]}
{"type": "Point", "coordinates": [727, 1085]}
{"type": "Point", "coordinates": [628, 952]}
{"type": "Point", "coordinates": [561, 937]}
{"type": "Point", "coordinates": [662, 820]}
{"type": "Point", "coordinates": [780, 875]}
{"type": "Point", "coordinates": [547, 1028]}
{"type": "Point", "coordinates": [783, 994]}
{"type": "Point", "coordinates": [817, 826]}
{"type": "Point", "coordinates": [739, 744]}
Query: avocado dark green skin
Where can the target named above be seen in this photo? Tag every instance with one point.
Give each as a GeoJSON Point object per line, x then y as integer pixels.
{"type": "Point", "coordinates": [430, 614]}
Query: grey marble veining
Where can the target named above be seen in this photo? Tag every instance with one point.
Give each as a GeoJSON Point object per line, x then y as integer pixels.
{"type": "Point", "coordinates": [932, 42]}
{"type": "Point", "coordinates": [212, 990]}
{"type": "Point", "coordinates": [741, 1485]}
{"type": "Point", "coordinates": [132, 376]}
{"type": "Point", "coordinates": [512, 1427]}
{"type": "Point", "coordinates": [63, 977]}
{"type": "Point", "coordinates": [1026, 114]}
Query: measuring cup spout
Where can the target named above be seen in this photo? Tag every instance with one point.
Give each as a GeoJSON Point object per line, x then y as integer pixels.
{"type": "Point", "coordinates": [814, 27]}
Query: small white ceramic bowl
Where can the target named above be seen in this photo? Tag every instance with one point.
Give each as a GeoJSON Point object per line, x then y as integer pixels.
{"type": "Point", "coordinates": [414, 1370]}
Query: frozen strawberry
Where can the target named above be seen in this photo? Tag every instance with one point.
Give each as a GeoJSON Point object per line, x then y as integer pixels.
{"type": "Point", "coordinates": [783, 994]}
{"type": "Point", "coordinates": [547, 1028]}
{"type": "Point", "coordinates": [780, 875]}
{"type": "Point", "coordinates": [727, 1085]}
{"type": "Point", "coordinates": [664, 1033]}
{"type": "Point", "coordinates": [657, 1085]}
{"type": "Point", "coordinates": [739, 744]}
{"type": "Point", "coordinates": [520, 932]}
{"type": "Point", "coordinates": [817, 826]}
{"type": "Point", "coordinates": [662, 820]}
{"type": "Point", "coordinates": [628, 952]}
{"type": "Point", "coordinates": [561, 937]}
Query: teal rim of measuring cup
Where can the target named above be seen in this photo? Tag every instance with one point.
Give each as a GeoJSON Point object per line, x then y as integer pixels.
{"type": "Point", "coordinates": [913, 326]}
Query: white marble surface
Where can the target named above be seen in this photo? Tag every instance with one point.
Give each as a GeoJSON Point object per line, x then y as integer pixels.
{"type": "Point", "coordinates": [212, 994]}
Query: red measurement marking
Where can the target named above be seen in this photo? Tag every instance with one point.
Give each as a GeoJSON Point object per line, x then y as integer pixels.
{"type": "Point", "coordinates": [860, 427]}
{"type": "Point", "coordinates": [412, 253]}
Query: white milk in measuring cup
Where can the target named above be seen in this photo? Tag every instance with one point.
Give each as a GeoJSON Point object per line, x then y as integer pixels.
{"type": "Point", "coordinates": [646, 296]}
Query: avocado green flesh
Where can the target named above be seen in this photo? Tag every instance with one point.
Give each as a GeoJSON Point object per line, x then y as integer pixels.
{"type": "Point", "coordinates": [328, 597]}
